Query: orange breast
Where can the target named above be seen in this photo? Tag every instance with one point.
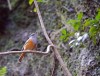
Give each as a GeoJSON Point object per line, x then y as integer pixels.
{"type": "Point", "coordinates": [29, 45]}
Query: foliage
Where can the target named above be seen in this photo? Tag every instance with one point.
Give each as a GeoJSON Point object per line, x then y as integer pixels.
{"type": "Point", "coordinates": [34, 10]}
{"type": "Point", "coordinates": [76, 23]}
{"type": "Point", "coordinates": [64, 35]}
{"type": "Point", "coordinates": [91, 25]}
{"type": "Point", "coordinates": [31, 1]}
{"type": "Point", "coordinates": [3, 71]}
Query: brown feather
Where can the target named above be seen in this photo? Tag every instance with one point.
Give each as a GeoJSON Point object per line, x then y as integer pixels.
{"type": "Point", "coordinates": [29, 45]}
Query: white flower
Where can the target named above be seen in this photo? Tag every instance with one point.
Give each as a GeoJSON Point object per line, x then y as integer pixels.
{"type": "Point", "coordinates": [71, 42]}
{"type": "Point", "coordinates": [77, 34]}
{"type": "Point", "coordinates": [95, 25]}
{"type": "Point", "coordinates": [85, 36]}
{"type": "Point", "coordinates": [79, 38]}
{"type": "Point", "coordinates": [77, 43]}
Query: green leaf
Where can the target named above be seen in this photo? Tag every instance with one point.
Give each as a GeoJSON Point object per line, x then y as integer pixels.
{"type": "Point", "coordinates": [30, 2]}
{"type": "Point", "coordinates": [64, 32]}
{"type": "Point", "coordinates": [98, 16]}
{"type": "Point", "coordinates": [65, 35]}
{"type": "Point", "coordinates": [77, 25]}
{"type": "Point", "coordinates": [80, 15]}
{"type": "Point", "coordinates": [94, 40]}
{"type": "Point", "coordinates": [40, 0]}
{"type": "Point", "coordinates": [87, 22]}
{"type": "Point", "coordinates": [71, 21]}
{"type": "Point", "coordinates": [98, 9]}
{"type": "Point", "coordinates": [93, 31]}
{"type": "Point", "coordinates": [93, 22]}
{"type": "Point", "coordinates": [34, 10]}
{"type": "Point", "coordinates": [62, 37]}
{"type": "Point", "coordinates": [3, 71]}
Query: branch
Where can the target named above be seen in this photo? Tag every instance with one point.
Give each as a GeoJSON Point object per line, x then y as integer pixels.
{"type": "Point", "coordinates": [9, 4]}
{"type": "Point", "coordinates": [27, 51]}
{"type": "Point", "coordinates": [65, 69]}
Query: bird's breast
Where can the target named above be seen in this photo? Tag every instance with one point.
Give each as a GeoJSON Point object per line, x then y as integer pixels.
{"type": "Point", "coordinates": [30, 45]}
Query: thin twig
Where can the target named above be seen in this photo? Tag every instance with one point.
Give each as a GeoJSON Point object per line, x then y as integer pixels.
{"type": "Point", "coordinates": [65, 69]}
{"type": "Point", "coordinates": [54, 65]}
{"type": "Point", "coordinates": [9, 5]}
{"type": "Point", "coordinates": [27, 51]}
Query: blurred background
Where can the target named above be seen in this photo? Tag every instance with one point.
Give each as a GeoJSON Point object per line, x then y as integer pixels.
{"type": "Point", "coordinates": [72, 25]}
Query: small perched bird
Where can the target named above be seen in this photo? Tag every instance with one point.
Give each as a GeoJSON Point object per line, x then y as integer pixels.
{"type": "Point", "coordinates": [30, 44]}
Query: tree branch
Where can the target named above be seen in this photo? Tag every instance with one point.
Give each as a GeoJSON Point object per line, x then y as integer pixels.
{"type": "Point", "coordinates": [27, 51]}
{"type": "Point", "coordinates": [9, 5]}
{"type": "Point", "coordinates": [65, 69]}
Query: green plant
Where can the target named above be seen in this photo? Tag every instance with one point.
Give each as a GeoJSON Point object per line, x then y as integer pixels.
{"type": "Point", "coordinates": [76, 23]}
{"type": "Point", "coordinates": [93, 25]}
{"type": "Point", "coordinates": [64, 35]}
{"type": "Point", "coordinates": [31, 2]}
{"type": "Point", "coordinates": [3, 71]}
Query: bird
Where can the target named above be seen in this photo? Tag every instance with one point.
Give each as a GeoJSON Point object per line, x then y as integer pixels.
{"type": "Point", "coordinates": [30, 44]}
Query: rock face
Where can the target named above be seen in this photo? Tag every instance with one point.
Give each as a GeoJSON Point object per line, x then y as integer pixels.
{"type": "Point", "coordinates": [87, 60]}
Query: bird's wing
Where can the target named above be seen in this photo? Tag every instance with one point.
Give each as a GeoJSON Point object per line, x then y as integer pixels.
{"type": "Point", "coordinates": [25, 44]}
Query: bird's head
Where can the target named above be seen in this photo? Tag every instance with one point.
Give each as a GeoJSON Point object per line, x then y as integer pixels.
{"type": "Point", "coordinates": [33, 36]}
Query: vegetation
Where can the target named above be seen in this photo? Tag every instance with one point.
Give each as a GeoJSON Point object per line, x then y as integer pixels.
{"type": "Point", "coordinates": [73, 27]}
{"type": "Point", "coordinates": [91, 26]}
{"type": "Point", "coordinates": [3, 71]}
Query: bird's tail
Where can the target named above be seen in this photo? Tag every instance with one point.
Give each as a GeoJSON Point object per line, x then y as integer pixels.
{"type": "Point", "coordinates": [21, 57]}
